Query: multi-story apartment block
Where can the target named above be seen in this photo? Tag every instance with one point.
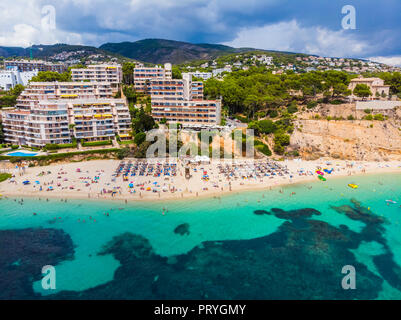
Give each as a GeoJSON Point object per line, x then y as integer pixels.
{"type": "Point", "coordinates": [197, 90]}
{"type": "Point", "coordinates": [143, 76]}
{"type": "Point", "coordinates": [37, 91]}
{"type": "Point", "coordinates": [202, 75]}
{"type": "Point", "coordinates": [219, 71]}
{"type": "Point", "coordinates": [111, 73]}
{"type": "Point", "coordinates": [48, 113]}
{"type": "Point", "coordinates": [32, 65]}
{"type": "Point", "coordinates": [10, 77]}
{"type": "Point", "coordinates": [179, 101]}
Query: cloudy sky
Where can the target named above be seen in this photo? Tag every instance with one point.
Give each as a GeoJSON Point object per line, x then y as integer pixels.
{"type": "Point", "coordinates": [309, 26]}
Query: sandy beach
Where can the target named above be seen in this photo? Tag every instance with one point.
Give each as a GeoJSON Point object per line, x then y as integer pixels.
{"type": "Point", "coordinates": [160, 179]}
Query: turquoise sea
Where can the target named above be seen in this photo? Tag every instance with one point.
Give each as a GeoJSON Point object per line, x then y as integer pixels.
{"type": "Point", "coordinates": [284, 243]}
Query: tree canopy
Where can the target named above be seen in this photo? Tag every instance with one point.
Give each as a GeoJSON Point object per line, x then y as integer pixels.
{"type": "Point", "coordinates": [362, 90]}
{"type": "Point", "coordinates": [9, 99]}
{"type": "Point", "coordinates": [142, 121]}
{"type": "Point", "coordinates": [50, 76]}
{"type": "Point", "coordinates": [128, 72]}
{"type": "Point", "coordinates": [257, 89]}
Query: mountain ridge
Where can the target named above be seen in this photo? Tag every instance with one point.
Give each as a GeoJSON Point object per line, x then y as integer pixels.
{"type": "Point", "coordinates": [162, 50]}
{"type": "Point", "coordinates": [155, 51]}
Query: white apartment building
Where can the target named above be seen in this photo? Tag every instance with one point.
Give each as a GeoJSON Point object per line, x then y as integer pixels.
{"type": "Point", "coordinates": [178, 101]}
{"type": "Point", "coordinates": [144, 75]}
{"type": "Point", "coordinates": [263, 59]}
{"type": "Point", "coordinates": [10, 77]}
{"type": "Point", "coordinates": [202, 75]}
{"type": "Point", "coordinates": [111, 73]}
{"type": "Point", "coordinates": [217, 72]}
{"type": "Point", "coordinates": [32, 65]}
{"type": "Point", "coordinates": [57, 113]}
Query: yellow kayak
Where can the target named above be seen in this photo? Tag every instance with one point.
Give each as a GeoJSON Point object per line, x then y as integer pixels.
{"type": "Point", "coordinates": [353, 186]}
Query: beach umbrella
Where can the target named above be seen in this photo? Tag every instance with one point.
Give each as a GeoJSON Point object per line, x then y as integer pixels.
{"type": "Point", "coordinates": [131, 185]}
{"type": "Point", "coordinates": [37, 182]}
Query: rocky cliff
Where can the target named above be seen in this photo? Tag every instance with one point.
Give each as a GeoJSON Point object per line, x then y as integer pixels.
{"type": "Point", "coordinates": [356, 140]}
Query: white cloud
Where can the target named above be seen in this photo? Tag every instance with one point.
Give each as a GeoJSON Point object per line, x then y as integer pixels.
{"type": "Point", "coordinates": [290, 36]}
{"type": "Point", "coordinates": [21, 24]}
{"type": "Point", "coordinates": [94, 22]}
{"type": "Point", "coordinates": [391, 60]}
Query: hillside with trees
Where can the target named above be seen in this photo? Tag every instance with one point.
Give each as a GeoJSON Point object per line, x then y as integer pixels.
{"type": "Point", "coordinates": [268, 102]}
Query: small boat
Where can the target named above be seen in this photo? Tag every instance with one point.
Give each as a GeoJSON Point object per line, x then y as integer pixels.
{"type": "Point", "coordinates": [321, 178]}
{"type": "Point", "coordinates": [353, 186]}
{"type": "Point", "coordinates": [391, 201]}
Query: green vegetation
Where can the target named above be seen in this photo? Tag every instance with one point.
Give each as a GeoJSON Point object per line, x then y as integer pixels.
{"type": "Point", "coordinates": [261, 147]}
{"type": "Point", "coordinates": [362, 90]}
{"type": "Point", "coordinates": [123, 153]}
{"type": "Point", "coordinates": [50, 76]}
{"type": "Point", "coordinates": [154, 50]}
{"type": "Point", "coordinates": [263, 126]}
{"type": "Point", "coordinates": [128, 72]}
{"type": "Point", "coordinates": [130, 94]}
{"type": "Point", "coordinates": [52, 147]}
{"type": "Point", "coordinates": [96, 143]}
{"type": "Point", "coordinates": [257, 89]}
{"type": "Point", "coordinates": [392, 79]}
{"type": "Point", "coordinates": [4, 176]}
{"type": "Point", "coordinates": [140, 152]}
{"type": "Point", "coordinates": [125, 142]}
{"type": "Point", "coordinates": [379, 117]}
{"type": "Point", "coordinates": [1, 133]}
{"type": "Point", "coordinates": [312, 104]}
{"type": "Point", "coordinates": [292, 108]}
{"type": "Point", "coordinates": [176, 73]}
{"type": "Point", "coordinates": [281, 140]}
{"type": "Point", "coordinates": [140, 137]}
{"type": "Point", "coordinates": [242, 118]}
{"type": "Point", "coordinates": [8, 99]}
{"type": "Point", "coordinates": [141, 120]}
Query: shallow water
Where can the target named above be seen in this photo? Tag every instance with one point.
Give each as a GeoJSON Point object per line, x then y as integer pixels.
{"type": "Point", "coordinates": [212, 223]}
